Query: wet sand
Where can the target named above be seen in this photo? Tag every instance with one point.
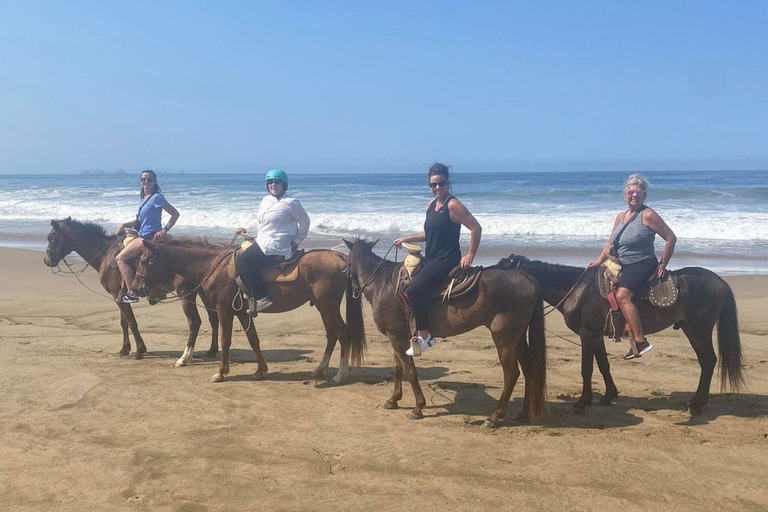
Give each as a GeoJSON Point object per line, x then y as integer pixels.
{"type": "Point", "coordinates": [84, 429]}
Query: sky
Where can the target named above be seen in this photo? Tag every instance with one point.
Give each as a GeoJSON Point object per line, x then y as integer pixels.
{"type": "Point", "coordinates": [311, 86]}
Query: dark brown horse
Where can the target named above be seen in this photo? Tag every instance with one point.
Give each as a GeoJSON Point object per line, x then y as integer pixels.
{"type": "Point", "coordinates": [98, 249]}
{"type": "Point", "coordinates": [505, 301]}
{"type": "Point", "coordinates": [322, 280]}
{"type": "Point", "coordinates": [705, 299]}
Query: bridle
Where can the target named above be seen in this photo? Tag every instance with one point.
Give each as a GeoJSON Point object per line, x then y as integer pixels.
{"type": "Point", "coordinates": [357, 290]}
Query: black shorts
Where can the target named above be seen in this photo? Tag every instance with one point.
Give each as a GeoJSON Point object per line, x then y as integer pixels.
{"type": "Point", "coordinates": [635, 276]}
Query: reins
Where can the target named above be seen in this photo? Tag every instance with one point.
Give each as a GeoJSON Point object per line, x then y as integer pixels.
{"type": "Point", "coordinates": [356, 295]}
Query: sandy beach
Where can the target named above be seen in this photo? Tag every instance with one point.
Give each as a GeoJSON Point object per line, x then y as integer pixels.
{"type": "Point", "coordinates": [86, 430]}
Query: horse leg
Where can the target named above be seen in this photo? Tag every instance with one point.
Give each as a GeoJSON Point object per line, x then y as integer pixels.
{"type": "Point", "coordinates": [524, 361]}
{"type": "Point", "coordinates": [701, 341]}
{"type": "Point", "coordinates": [601, 356]}
{"type": "Point", "coordinates": [334, 330]}
{"type": "Point", "coordinates": [126, 349]}
{"type": "Point", "coordinates": [225, 319]}
{"type": "Point", "coordinates": [213, 319]}
{"type": "Point", "coordinates": [400, 345]}
{"type": "Point", "coordinates": [189, 307]}
{"type": "Point", "coordinates": [127, 312]}
{"type": "Point", "coordinates": [253, 339]}
{"type": "Point", "coordinates": [508, 358]}
{"type": "Point", "coordinates": [587, 367]}
{"type": "Point", "coordinates": [397, 393]}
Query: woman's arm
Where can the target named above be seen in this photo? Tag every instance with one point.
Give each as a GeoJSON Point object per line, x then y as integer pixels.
{"type": "Point", "coordinates": [654, 221]}
{"type": "Point", "coordinates": [460, 214]}
{"type": "Point", "coordinates": [418, 237]}
{"type": "Point", "coordinates": [174, 213]}
{"type": "Point", "coordinates": [302, 219]}
{"type": "Point", "coordinates": [607, 247]}
{"type": "Point", "coordinates": [130, 224]}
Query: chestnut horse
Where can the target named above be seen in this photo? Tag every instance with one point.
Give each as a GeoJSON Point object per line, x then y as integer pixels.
{"type": "Point", "coordinates": [321, 280]}
{"type": "Point", "coordinates": [705, 299]}
{"type": "Point", "coordinates": [98, 249]}
{"type": "Point", "coordinates": [506, 302]}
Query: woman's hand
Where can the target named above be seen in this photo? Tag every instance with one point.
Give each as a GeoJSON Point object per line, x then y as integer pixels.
{"type": "Point", "coordinates": [159, 235]}
{"type": "Point", "coordinates": [466, 261]}
{"type": "Point", "coordinates": [399, 241]}
{"type": "Point", "coordinates": [593, 263]}
{"type": "Point", "coordinates": [240, 231]}
{"type": "Point", "coordinates": [661, 269]}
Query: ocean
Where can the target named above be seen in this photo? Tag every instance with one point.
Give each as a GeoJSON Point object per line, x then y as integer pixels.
{"type": "Point", "coordinates": [720, 217]}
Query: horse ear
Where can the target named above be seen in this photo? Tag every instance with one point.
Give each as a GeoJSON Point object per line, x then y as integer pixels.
{"type": "Point", "coordinates": [68, 219]}
{"type": "Point", "coordinates": [349, 244]}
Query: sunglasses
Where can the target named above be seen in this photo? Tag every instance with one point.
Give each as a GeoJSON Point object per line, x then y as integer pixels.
{"type": "Point", "coordinates": [434, 185]}
{"type": "Point", "coordinates": [274, 182]}
{"type": "Point", "coordinates": [146, 180]}
{"type": "Point", "coordinates": [635, 192]}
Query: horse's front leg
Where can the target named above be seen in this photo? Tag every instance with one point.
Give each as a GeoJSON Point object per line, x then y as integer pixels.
{"type": "Point", "coordinates": [587, 367]}
{"type": "Point", "coordinates": [225, 319]}
{"type": "Point", "coordinates": [400, 345]}
{"type": "Point", "coordinates": [189, 307]}
{"type": "Point", "coordinates": [601, 356]}
{"type": "Point", "coordinates": [253, 339]}
{"type": "Point", "coordinates": [126, 349]}
{"type": "Point", "coordinates": [213, 319]}
{"type": "Point", "coordinates": [397, 392]}
{"type": "Point", "coordinates": [127, 312]}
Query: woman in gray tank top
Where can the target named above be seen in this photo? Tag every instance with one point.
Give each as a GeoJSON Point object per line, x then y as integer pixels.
{"type": "Point", "coordinates": [631, 241]}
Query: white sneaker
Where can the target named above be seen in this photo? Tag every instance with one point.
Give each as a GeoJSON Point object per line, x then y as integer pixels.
{"type": "Point", "coordinates": [263, 303]}
{"type": "Point", "coordinates": [419, 345]}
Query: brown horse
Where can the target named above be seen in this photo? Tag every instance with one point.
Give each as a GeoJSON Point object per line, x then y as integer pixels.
{"type": "Point", "coordinates": [322, 280]}
{"type": "Point", "coordinates": [98, 249]}
{"type": "Point", "coordinates": [505, 301]}
{"type": "Point", "coordinates": [705, 299]}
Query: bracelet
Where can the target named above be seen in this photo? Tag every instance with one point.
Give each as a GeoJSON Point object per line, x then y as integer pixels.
{"type": "Point", "coordinates": [167, 228]}
{"type": "Point", "coordinates": [662, 261]}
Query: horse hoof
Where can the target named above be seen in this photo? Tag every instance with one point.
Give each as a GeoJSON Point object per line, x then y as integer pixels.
{"type": "Point", "coordinates": [391, 405]}
{"type": "Point", "coordinates": [606, 400]}
{"type": "Point", "coordinates": [415, 415]}
{"type": "Point", "coordinates": [123, 353]}
{"type": "Point", "coordinates": [217, 378]}
{"type": "Point", "coordinates": [580, 406]}
{"type": "Point", "coordinates": [523, 417]}
{"type": "Point", "coordinates": [489, 424]}
{"type": "Point", "coordinates": [258, 375]}
{"type": "Point", "coordinates": [138, 355]}
{"type": "Point", "coordinates": [695, 410]}
{"type": "Point", "coordinates": [179, 364]}
{"type": "Point", "coordinates": [210, 355]}
{"type": "Point", "coordinates": [317, 374]}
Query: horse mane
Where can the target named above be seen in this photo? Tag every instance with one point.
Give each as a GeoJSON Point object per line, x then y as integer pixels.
{"type": "Point", "coordinates": [196, 242]}
{"type": "Point", "coordinates": [548, 274]}
{"type": "Point", "coordinates": [385, 269]}
{"type": "Point", "coordinates": [89, 229]}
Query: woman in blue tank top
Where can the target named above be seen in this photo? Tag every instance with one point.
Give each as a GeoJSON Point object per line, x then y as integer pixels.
{"type": "Point", "coordinates": [148, 225]}
{"type": "Point", "coordinates": [445, 216]}
{"type": "Point", "coordinates": [631, 241]}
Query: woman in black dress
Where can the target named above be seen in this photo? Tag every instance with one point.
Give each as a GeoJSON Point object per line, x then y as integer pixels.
{"type": "Point", "coordinates": [445, 216]}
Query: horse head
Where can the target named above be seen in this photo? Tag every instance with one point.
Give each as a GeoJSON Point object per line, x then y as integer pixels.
{"type": "Point", "coordinates": [143, 277]}
{"type": "Point", "coordinates": [60, 244]}
{"type": "Point", "coordinates": [513, 261]}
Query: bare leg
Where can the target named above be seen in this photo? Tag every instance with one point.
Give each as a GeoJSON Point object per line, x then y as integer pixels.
{"type": "Point", "coordinates": [631, 314]}
{"type": "Point", "coordinates": [124, 258]}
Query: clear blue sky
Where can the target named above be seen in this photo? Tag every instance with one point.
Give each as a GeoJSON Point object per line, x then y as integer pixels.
{"type": "Point", "coordinates": [373, 86]}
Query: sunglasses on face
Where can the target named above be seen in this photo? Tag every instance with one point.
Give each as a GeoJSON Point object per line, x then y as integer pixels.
{"type": "Point", "coordinates": [146, 180]}
{"type": "Point", "coordinates": [635, 192]}
{"type": "Point", "coordinates": [434, 185]}
{"type": "Point", "coordinates": [274, 182]}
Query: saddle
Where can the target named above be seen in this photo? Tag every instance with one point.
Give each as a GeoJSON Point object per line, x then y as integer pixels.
{"type": "Point", "coordinates": [276, 268]}
{"type": "Point", "coordinates": [460, 281]}
{"type": "Point", "coordinates": [661, 292]}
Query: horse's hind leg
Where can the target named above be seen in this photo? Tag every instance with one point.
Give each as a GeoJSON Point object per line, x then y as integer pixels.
{"type": "Point", "coordinates": [601, 356]}
{"type": "Point", "coordinates": [507, 350]}
{"type": "Point", "coordinates": [408, 368]}
{"type": "Point", "coordinates": [189, 307]}
{"type": "Point", "coordinates": [335, 329]}
{"type": "Point", "coordinates": [588, 343]}
{"type": "Point", "coordinates": [705, 352]}
{"type": "Point", "coordinates": [397, 392]}
{"type": "Point", "coordinates": [523, 358]}
{"type": "Point", "coordinates": [225, 319]}
{"type": "Point", "coordinates": [253, 339]}
{"type": "Point", "coordinates": [126, 349]}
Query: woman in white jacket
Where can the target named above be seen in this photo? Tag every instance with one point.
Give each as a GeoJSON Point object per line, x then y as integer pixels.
{"type": "Point", "coordinates": [281, 224]}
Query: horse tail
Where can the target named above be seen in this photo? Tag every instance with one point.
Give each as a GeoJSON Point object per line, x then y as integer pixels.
{"type": "Point", "coordinates": [729, 345]}
{"type": "Point", "coordinates": [537, 352]}
{"type": "Point", "coordinates": [355, 325]}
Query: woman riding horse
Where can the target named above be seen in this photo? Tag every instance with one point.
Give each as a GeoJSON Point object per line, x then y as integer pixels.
{"type": "Point", "coordinates": [631, 241]}
{"type": "Point", "coordinates": [445, 215]}
{"type": "Point", "coordinates": [148, 224]}
{"type": "Point", "coordinates": [281, 225]}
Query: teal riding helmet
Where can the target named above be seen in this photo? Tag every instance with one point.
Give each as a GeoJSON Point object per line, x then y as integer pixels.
{"type": "Point", "coordinates": [278, 174]}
